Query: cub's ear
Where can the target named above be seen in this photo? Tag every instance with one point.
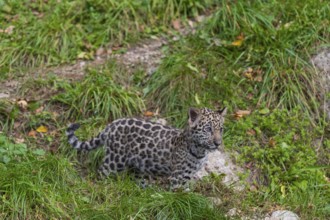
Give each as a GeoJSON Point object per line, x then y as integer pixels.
{"type": "Point", "coordinates": [223, 111]}
{"type": "Point", "coordinates": [194, 115]}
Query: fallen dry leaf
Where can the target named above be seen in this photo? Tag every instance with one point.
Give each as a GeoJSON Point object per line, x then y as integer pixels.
{"type": "Point", "coordinates": [22, 104]}
{"type": "Point", "coordinates": [17, 124]}
{"type": "Point", "coordinates": [32, 133]}
{"type": "Point", "coordinates": [53, 133]}
{"type": "Point", "coordinates": [8, 30]}
{"type": "Point", "coordinates": [237, 117]}
{"type": "Point", "coordinates": [248, 75]}
{"type": "Point", "coordinates": [40, 109]}
{"type": "Point", "coordinates": [157, 112]}
{"type": "Point", "coordinates": [191, 23]}
{"type": "Point", "coordinates": [296, 137]}
{"type": "Point", "coordinates": [253, 74]}
{"type": "Point", "coordinates": [82, 55]}
{"type": "Point", "coordinates": [37, 14]}
{"type": "Point", "coordinates": [42, 129]}
{"type": "Point", "coordinates": [249, 70]}
{"type": "Point", "coordinates": [272, 142]}
{"type": "Point", "coordinates": [148, 114]}
{"type": "Point", "coordinates": [243, 112]}
{"type": "Point", "coordinates": [240, 113]}
{"type": "Point", "coordinates": [55, 114]}
{"type": "Point", "coordinates": [101, 51]}
{"type": "Point", "coordinates": [19, 140]}
{"type": "Point", "coordinates": [176, 24]}
{"type": "Point", "coordinates": [200, 18]}
{"type": "Point", "coordinates": [109, 51]}
{"type": "Point", "coordinates": [239, 41]}
{"type": "Point", "coordinates": [116, 48]}
{"type": "Point", "coordinates": [249, 96]}
{"type": "Point", "coordinates": [258, 78]}
{"type": "Point", "coordinates": [251, 132]}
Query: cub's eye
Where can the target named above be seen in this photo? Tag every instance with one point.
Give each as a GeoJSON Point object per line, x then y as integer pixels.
{"type": "Point", "coordinates": [208, 129]}
{"type": "Point", "coordinates": [221, 130]}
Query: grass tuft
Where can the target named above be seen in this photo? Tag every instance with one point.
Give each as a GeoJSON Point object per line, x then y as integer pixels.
{"type": "Point", "coordinates": [9, 112]}
{"type": "Point", "coordinates": [98, 94]}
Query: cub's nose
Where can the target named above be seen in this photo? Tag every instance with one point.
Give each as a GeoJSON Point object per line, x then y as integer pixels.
{"type": "Point", "coordinates": [217, 142]}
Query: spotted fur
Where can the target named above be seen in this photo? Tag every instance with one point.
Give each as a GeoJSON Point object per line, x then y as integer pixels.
{"type": "Point", "coordinates": [152, 149]}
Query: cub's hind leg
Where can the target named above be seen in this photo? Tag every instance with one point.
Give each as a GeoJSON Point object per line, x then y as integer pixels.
{"type": "Point", "coordinates": [113, 163]}
{"type": "Point", "coordinates": [108, 166]}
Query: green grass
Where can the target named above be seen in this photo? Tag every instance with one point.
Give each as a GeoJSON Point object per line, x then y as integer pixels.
{"type": "Point", "coordinates": [8, 113]}
{"type": "Point", "coordinates": [275, 39]}
{"type": "Point", "coordinates": [193, 76]}
{"type": "Point", "coordinates": [278, 38]}
{"type": "Point", "coordinates": [59, 32]}
{"type": "Point", "coordinates": [279, 146]}
{"type": "Point", "coordinates": [49, 187]}
{"type": "Point", "coordinates": [100, 93]}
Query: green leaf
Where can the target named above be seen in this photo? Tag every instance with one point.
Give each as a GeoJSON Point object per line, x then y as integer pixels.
{"type": "Point", "coordinates": [5, 159]}
{"type": "Point", "coordinates": [39, 152]}
{"type": "Point", "coordinates": [18, 152]}
{"type": "Point", "coordinates": [264, 111]}
{"type": "Point", "coordinates": [192, 68]}
{"type": "Point", "coordinates": [198, 102]}
{"type": "Point", "coordinates": [85, 199]}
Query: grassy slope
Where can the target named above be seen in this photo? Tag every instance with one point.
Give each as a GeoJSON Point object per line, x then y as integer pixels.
{"type": "Point", "coordinates": [275, 39]}
{"type": "Point", "coordinates": [52, 33]}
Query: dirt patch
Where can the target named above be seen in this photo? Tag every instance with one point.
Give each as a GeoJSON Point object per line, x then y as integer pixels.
{"type": "Point", "coordinates": [148, 56]}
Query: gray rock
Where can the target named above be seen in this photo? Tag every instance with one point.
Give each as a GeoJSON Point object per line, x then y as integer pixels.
{"type": "Point", "coordinates": [232, 212]}
{"type": "Point", "coordinates": [4, 95]}
{"type": "Point", "coordinates": [216, 201]}
{"type": "Point", "coordinates": [283, 215]}
{"type": "Point", "coordinates": [322, 62]}
{"type": "Point", "coordinates": [220, 163]}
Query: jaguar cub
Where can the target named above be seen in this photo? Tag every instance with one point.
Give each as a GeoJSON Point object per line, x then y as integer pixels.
{"type": "Point", "coordinates": [151, 149]}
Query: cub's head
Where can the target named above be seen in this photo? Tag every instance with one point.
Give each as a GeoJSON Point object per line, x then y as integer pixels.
{"type": "Point", "coordinates": [206, 127]}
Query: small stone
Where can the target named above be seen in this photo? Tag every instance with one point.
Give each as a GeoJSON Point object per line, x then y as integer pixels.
{"type": "Point", "coordinates": [161, 121]}
{"type": "Point", "coordinates": [216, 201]}
{"type": "Point", "coordinates": [232, 212]}
{"type": "Point", "coordinates": [4, 95]}
{"type": "Point", "coordinates": [283, 215]}
{"type": "Point", "coordinates": [82, 63]}
{"type": "Point", "coordinates": [175, 38]}
{"type": "Point", "coordinates": [322, 61]}
{"type": "Point", "coordinates": [200, 18]}
{"type": "Point", "coordinates": [100, 51]}
{"type": "Point", "coordinates": [191, 23]}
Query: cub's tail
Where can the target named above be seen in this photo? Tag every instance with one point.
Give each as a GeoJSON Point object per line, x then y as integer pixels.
{"type": "Point", "coordinates": [82, 145]}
